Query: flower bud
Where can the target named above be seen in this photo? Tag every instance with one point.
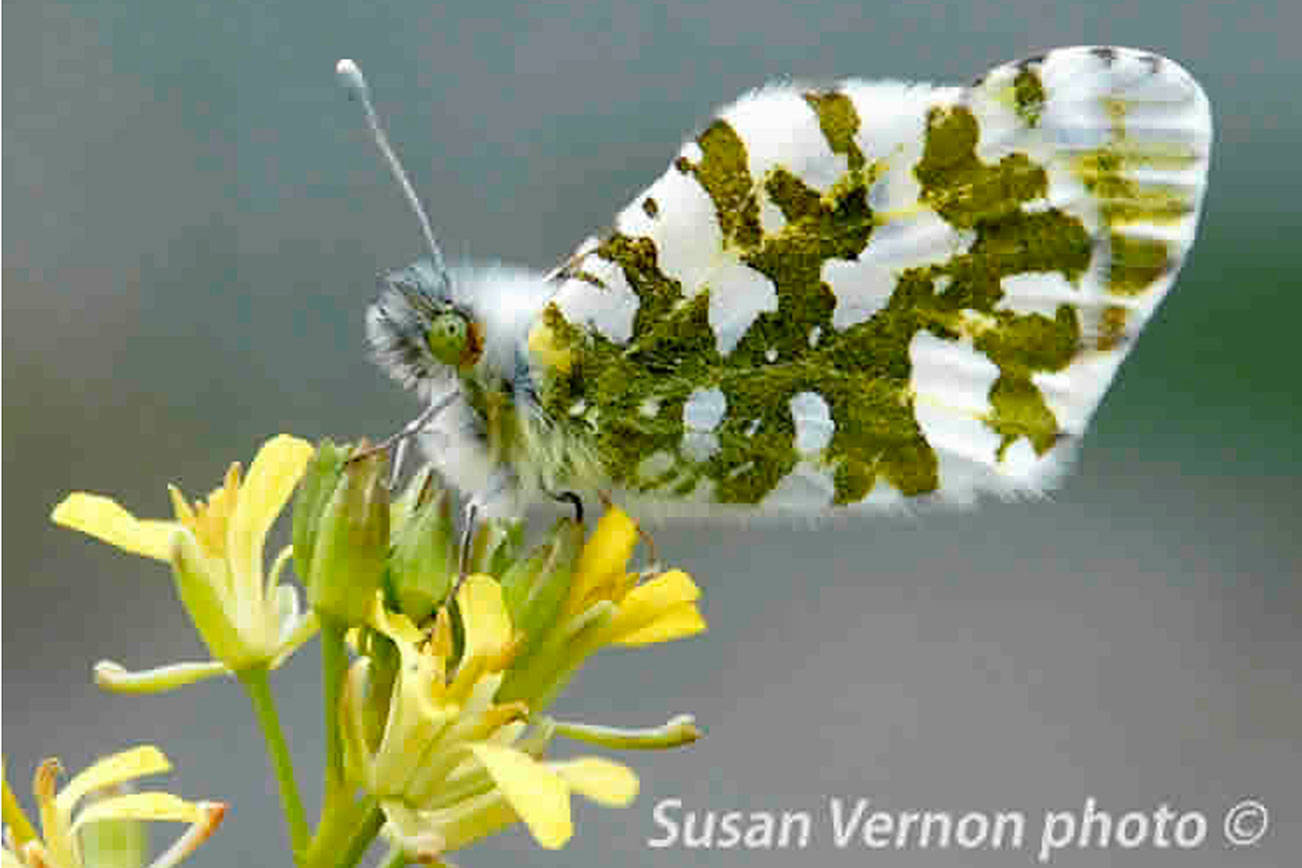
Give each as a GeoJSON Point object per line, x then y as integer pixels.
{"type": "Point", "coordinates": [423, 563]}
{"type": "Point", "coordinates": [422, 487]}
{"type": "Point", "coordinates": [314, 490]}
{"type": "Point", "coordinates": [496, 544]}
{"type": "Point", "coordinates": [535, 588]}
{"type": "Point", "coordinates": [535, 591]}
{"type": "Point", "coordinates": [351, 542]}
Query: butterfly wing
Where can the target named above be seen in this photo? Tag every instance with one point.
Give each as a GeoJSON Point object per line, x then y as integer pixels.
{"type": "Point", "coordinates": [880, 292]}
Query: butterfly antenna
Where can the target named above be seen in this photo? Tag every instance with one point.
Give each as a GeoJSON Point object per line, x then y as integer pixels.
{"type": "Point", "coordinates": [350, 75]}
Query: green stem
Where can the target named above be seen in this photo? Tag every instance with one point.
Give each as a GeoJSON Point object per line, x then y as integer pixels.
{"type": "Point", "coordinates": [344, 833]}
{"type": "Point", "coordinates": [334, 667]}
{"type": "Point", "coordinates": [367, 829]}
{"type": "Point", "coordinates": [264, 706]}
{"type": "Point", "coordinates": [397, 858]}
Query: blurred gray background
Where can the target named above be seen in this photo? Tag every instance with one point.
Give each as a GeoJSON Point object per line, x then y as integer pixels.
{"type": "Point", "coordinates": [194, 218]}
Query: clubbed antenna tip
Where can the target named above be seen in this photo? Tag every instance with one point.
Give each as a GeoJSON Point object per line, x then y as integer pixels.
{"type": "Point", "coordinates": [350, 76]}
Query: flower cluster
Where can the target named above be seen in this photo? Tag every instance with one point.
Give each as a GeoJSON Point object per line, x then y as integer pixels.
{"type": "Point", "coordinates": [439, 665]}
{"type": "Point", "coordinates": [441, 713]}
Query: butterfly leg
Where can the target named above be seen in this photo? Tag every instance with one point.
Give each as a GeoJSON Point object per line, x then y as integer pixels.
{"type": "Point", "coordinates": [573, 499]}
{"type": "Point", "coordinates": [469, 519]}
{"type": "Point", "coordinates": [501, 486]}
{"type": "Point", "coordinates": [402, 438]}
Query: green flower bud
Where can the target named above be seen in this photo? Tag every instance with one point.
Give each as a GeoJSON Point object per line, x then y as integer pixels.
{"type": "Point", "coordinates": [314, 490]}
{"type": "Point", "coordinates": [496, 545]}
{"type": "Point", "coordinates": [419, 491]}
{"type": "Point", "coordinates": [423, 562]}
{"type": "Point", "coordinates": [534, 590]}
{"type": "Point", "coordinates": [538, 679]}
{"type": "Point", "coordinates": [351, 542]}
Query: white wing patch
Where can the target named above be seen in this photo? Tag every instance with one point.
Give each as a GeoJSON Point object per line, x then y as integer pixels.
{"type": "Point", "coordinates": [951, 385]}
{"type": "Point", "coordinates": [864, 285]}
{"type": "Point", "coordinates": [881, 293]}
{"type": "Point", "coordinates": [892, 130]}
{"type": "Point", "coordinates": [687, 237]}
{"type": "Point", "coordinates": [1037, 292]}
{"type": "Point", "coordinates": [613, 316]}
{"type": "Point", "coordinates": [813, 421]}
{"type": "Point", "coordinates": [782, 133]}
{"type": "Point", "coordinates": [737, 296]}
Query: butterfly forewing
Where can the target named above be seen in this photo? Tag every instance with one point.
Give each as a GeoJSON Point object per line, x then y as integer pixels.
{"type": "Point", "coordinates": [879, 293]}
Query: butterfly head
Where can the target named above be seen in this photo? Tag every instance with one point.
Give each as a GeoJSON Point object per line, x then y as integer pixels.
{"type": "Point", "coordinates": [416, 330]}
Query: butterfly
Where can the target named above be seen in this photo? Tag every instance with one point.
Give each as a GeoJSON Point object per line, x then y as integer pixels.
{"type": "Point", "coordinates": [867, 295]}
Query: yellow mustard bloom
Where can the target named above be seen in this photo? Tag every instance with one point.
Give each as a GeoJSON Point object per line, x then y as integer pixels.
{"type": "Point", "coordinates": [450, 764]}
{"type": "Point", "coordinates": [659, 608]}
{"type": "Point", "coordinates": [64, 827]}
{"type": "Point", "coordinates": [246, 617]}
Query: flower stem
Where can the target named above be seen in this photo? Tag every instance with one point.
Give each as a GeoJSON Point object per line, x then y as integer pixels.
{"type": "Point", "coordinates": [334, 666]}
{"type": "Point", "coordinates": [397, 858]}
{"type": "Point", "coordinates": [264, 706]}
{"type": "Point", "coordinates": [344, 833]}
{"type": "Point", "coordinates": [367, 829]}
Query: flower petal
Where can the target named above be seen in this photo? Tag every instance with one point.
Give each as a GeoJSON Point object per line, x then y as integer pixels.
{"type": "Point", "coordinates": [658, 610]}
{"type": "Point", "coordinates": [295, 626]}
{"type": "Point", "coordinates": [162, 807]}
{"type": "Point", "coordinates": [202, 584]}
{"type": "Point", "coordinates": [604, 781]}
{"type": "Point", "coordinates": [665, 589]}
{"type": "Point", "coordinates": [603, 557]}
{"type": "Point", "coordinates": [395, 625]}
{"type": "Point", "coordinates": [677, 622]}
{"type": "Point", "coordinates": [212, 814]}
{"type": "Point", "coordinates": [536, 793]}
{"type": "Point", "coordinates": [487, 622]}
{"type": "Point", "coordinates": [15, 819]}
{"type": "Point", "coordinates": [102, 518]}
{"type": "Point", "coordinates": [114, 678]}
{"type": "Point", "coordinates": [114, 769]}
{"type": "Point", "coordinates": [272, 476]}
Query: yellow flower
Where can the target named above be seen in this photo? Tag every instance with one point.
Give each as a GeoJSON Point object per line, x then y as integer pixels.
{"type": "Point", "coordinates": [65, 829]}
{"type": "Point", "coordinates": [660, 609]}
{"type": "Point", "coordinates": [247, 619]}
{"type": "Point", "coordinates": [602, 604]}
{"type": "Point", "coordinates": [501, 785]}
{"type": "Point", "coordinates": [450, 764]}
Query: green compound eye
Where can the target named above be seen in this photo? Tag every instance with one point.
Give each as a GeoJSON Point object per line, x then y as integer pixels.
{"type": "Point", "coordinates": [447, 338]}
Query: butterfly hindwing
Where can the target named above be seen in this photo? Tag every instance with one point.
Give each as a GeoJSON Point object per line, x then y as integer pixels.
{"type": "Point", "coordinates": [880, 292]}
